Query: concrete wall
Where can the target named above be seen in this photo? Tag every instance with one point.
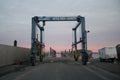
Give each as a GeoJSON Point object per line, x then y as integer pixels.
{"type": "Point", "coordinates": [13, 55]}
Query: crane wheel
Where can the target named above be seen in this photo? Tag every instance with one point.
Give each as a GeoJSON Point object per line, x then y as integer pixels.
{"type": "Point", "coordinates": [33, 62]}
{"type": "Point", "coordinates": [84, 63]}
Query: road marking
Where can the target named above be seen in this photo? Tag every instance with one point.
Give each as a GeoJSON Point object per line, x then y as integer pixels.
{"type": "Point", "coordinates": [99, 75]}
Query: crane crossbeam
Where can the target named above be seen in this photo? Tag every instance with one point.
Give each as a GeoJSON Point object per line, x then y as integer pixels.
{"type": "Point", "coordinates": [77, 18]}
{"type": "Point", "coordinates": [76, 43]}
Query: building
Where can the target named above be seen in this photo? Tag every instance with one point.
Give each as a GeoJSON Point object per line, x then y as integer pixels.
{"type": "Point", "coordinates": [118, 51]}
{"type": "Point", "coordinates": [95, 55]}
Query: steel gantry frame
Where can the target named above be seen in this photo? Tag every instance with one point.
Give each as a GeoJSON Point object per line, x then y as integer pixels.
{"type": "Point", "coordinates": [37, 46]}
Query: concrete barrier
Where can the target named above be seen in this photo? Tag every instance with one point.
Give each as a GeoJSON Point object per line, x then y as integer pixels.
{"type": "Point", "coordinates": [13, 55]}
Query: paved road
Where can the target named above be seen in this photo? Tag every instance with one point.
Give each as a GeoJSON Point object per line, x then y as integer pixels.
{"type": "Point", "coordinates": [61, 69]}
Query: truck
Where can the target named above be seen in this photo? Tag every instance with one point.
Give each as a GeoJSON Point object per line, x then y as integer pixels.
{"type": "Point", "coordinates": [107, 54]}
{"type": "Point", "coordinates": [118, 51]}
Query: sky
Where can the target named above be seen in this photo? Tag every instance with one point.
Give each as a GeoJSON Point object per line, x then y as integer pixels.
{"type": "Point", "coordinates": [102, 20]}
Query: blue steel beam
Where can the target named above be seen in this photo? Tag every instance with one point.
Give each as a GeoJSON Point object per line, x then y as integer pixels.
{"type": "Point", "coordinates": [41, 32]}
{"type": "Point", "coordinates": [75, 35]}
{"type": "Point", "coordinates": [77, 18]}
{"type": "Point", "coordinates": [75, 40]}
{"type": "Point", "coordinates": [84, 47]}
{"type": "Point", "coordinates": [76, 26]}
{"type": "Point", "coordinates": [33, 39]}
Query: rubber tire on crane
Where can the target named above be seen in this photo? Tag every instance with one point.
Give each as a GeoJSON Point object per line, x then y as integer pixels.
{"type": "Point", "coordinates": [84, 62]}
{"type": "Point", "coordinates": [33, 62]}
{"type": "Point", "coordinates": [76, 59]}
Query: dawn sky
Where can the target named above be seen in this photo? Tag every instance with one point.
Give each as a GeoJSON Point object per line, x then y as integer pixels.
{"type": "Point", "coordinates": [102, 19]}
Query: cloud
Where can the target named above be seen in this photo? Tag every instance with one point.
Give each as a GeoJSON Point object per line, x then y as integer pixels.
{"type": "Point", "coordinates": [102, 19]}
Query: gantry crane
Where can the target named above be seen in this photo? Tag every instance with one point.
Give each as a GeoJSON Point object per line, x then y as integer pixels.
{"type": "Point", "coordinates": [38, 46]}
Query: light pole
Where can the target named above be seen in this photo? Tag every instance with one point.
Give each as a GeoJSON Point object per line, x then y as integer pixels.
{"type": "Point", "coordinates": [86, 37]}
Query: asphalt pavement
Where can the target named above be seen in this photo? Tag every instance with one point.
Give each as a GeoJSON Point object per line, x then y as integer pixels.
{"type": "Point", "coordinates": [61, 69]}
